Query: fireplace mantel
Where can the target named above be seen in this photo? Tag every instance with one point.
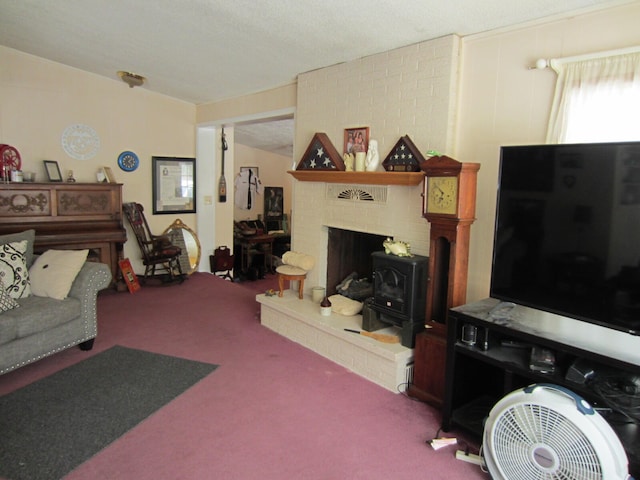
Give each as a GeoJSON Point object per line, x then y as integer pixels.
{"type": "Point", "coordinates": [365, 178]}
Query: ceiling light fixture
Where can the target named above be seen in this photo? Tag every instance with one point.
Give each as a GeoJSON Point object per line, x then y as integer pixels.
{"type": "Point", "coordinates": [131, 79]}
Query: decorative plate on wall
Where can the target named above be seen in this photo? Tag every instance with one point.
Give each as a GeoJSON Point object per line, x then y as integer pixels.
{"type": "Point", "coordinates": [80, 141]}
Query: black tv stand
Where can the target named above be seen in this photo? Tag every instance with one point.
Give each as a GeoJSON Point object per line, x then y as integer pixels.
{"type": "Point", "coordinates": [481, 372]}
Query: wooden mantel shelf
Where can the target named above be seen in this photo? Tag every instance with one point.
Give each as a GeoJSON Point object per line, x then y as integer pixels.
{"type": "Point", "coordinates": [365, 178]}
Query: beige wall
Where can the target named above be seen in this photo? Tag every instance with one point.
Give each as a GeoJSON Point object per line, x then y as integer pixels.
{"type": "Point", "coordinates": [39, 99]}
{"type": "Point", "coordinates": [504, 103]}
{"type": "Point", "coordinates": [272, 169]}
{"type": "Point", "coordinates": [253, 105]}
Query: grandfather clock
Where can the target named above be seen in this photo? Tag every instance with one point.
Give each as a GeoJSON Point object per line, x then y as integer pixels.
{"type": "Point", "coordinates": [449, 204]}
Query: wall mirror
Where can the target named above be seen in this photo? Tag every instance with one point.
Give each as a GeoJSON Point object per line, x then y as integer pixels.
{"type": "Point", "coordinates": [184, 237]}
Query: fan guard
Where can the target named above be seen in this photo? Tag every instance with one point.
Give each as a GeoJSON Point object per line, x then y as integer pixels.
{"type": "Point", "coordinates": [546, 432]}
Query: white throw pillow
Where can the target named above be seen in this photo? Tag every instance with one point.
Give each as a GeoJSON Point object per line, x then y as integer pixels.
{"type": "Point", "coordinates": [13, 269]}
{"type": "Point", "coordinates": [53, 272]}
{"type": "Point", "coordinates": [344, 305]}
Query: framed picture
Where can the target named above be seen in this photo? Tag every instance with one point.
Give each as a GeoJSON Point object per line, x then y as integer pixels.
{"type": "Point", "coordinates": [53, 170]}
{"type": "Point", "coordinates": [273, 203]}
{"type": "Point", "coordinates": [108, 175]}
{"type": "Point", "coordinates": [356, 139]}
{"type": "Point", "coordinates": [174, 185]}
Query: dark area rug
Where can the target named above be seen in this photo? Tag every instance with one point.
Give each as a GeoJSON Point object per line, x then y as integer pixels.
{"type": "Point", "coordinates": [53, 425]}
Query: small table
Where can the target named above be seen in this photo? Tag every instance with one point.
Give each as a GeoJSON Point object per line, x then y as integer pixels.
{"type": "Point", "coordinates": [247, 248]}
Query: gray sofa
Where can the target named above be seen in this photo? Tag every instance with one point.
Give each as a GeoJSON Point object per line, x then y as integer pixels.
{"type": "Point", "coordinates": [42, 326]}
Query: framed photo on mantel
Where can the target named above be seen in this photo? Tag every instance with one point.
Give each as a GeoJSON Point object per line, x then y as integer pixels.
{"type": "Point", "coordinates": [356, 139]}
{"type": "Point", "coordinates": [53, 170]}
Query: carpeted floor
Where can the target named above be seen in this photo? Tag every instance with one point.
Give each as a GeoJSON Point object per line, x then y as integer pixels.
{"type": "Point", "coordinates": [273, 410]}
{"type": "Point", "coordinates": [53, 425]}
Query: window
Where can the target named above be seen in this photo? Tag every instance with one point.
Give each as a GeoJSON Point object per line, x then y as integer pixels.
{"type": "Point", "coordinates": [596, 100]}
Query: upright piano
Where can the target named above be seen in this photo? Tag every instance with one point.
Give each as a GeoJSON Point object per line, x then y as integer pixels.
{"type": "Point", "coordinates": [67, 216]}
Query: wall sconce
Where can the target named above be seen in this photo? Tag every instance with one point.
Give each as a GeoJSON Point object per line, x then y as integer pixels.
{"type": "Point", "coordinates": [131, 79]}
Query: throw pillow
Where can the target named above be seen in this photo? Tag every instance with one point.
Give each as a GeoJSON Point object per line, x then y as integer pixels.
{"type": "Point", "coordinates": [345, 306]}
{"type": "Point", "coordinates": [13, 269]}
{"type": "Point", "coordinates": [53, 272]}
{"type": "Point", "coordinates": [6, 302]}
{"type": "Point", "coordinates": [28, 235]}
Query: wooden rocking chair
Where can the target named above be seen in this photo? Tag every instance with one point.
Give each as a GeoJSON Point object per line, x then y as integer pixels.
{"type": "Point", "coordinates": [157, 250]}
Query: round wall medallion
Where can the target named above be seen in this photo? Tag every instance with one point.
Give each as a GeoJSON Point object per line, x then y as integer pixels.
{"type": "Point", "coordinates": [128, 161]}
{"type": "Point", "coordinates": [80, 141]}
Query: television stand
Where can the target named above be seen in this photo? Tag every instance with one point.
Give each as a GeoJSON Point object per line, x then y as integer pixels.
{"type": "Point", "coordinates": [481, 371]}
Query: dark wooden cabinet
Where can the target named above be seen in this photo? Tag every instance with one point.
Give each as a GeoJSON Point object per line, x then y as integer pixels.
{"type": "Point", "coordinates": [67, 216]}
{"type": "Point", "coordinates": [429, 368]}
{"type": "Point", "coordinates": [482, 372]}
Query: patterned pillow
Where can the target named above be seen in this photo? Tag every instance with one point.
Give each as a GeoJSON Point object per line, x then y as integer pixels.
{"type": "Point", "coordinates": [28, 235]}
{"type": "Point", "coordinates": [6, 302]}
{"type": "Point", "coordinates": [13, 269]}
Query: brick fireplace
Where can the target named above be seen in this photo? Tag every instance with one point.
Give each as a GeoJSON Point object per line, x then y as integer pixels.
{"type": "Point", "coordinates": [384, 210]}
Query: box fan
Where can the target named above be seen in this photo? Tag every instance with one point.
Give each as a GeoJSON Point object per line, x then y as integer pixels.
{"type": "Point", "coordinates": [548, 432]}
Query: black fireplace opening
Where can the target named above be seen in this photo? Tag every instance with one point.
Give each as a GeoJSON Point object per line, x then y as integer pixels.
{"type": "Point", "coordinates": [348, 253]}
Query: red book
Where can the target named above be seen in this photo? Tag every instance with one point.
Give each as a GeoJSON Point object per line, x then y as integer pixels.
{"type": "Point", "coordinates": [129, 275]}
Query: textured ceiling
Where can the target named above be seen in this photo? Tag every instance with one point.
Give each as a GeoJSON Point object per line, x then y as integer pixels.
{"type": "Point", "coordinates": [275, 136]}
{"type": "Point", "coordinates": [209, 50]}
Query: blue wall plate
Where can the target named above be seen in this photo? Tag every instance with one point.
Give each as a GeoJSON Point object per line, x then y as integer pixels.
{"type": "Point", "coordinates": [128, 161]}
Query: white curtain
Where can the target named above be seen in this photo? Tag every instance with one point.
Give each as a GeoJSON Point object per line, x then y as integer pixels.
{"type": "Point", "coordinates": [596, 100]}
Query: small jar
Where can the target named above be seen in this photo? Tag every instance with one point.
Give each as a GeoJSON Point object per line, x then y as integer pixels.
{"type": "Point", "coordinates": [325, 307]}
{"type": "Point", "coordinates": [16, 175]}
{"type": "Point", "coordinates": [317, 294]}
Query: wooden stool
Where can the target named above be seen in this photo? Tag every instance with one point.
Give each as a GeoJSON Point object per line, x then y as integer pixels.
{"type": "Point", "coordinates": [289, 272]}
{"type": "Point", "coordinates": [295, 267]}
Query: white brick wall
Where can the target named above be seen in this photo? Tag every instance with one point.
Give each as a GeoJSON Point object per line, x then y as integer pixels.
{"type": "Point", "coordinates": [408, 91]}
{"type": "Point", "coordinates": [401, 218]}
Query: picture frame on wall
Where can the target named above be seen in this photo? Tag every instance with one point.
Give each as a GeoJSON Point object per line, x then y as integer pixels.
{"type": "Point", "coordinates": [273, 203]}
{"type": "Point", "coordinates": [356, 139]}
{"type": "Point", "coordinates": [173, 185]}
{"type": "Point", "coordinates": [53, 170]}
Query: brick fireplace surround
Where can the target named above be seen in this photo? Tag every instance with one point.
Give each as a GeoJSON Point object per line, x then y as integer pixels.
{"type": "Point", "coordinates": [386, 210]}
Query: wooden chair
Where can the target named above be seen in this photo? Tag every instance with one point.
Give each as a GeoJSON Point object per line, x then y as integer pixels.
{"type": "Point", "coordinates": [157, 250]}
{"type": "Point", "coordinates": [294, 267]}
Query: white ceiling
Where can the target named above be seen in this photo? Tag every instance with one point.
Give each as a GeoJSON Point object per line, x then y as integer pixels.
{"type": "Point", "coordinates": [209, 50]}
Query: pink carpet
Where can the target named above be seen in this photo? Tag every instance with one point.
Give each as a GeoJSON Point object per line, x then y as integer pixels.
{"type": "Point", "coordinates": [272, 410]}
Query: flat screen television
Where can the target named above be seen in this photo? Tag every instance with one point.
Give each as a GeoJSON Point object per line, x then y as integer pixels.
{"type": "Point", "coordinates": [567, 231]}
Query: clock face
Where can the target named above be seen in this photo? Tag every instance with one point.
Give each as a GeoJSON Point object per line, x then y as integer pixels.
{"type": "Point", "coordinates": [442, 195]}
{"type": "Point", "coordinates": [128, 161]}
